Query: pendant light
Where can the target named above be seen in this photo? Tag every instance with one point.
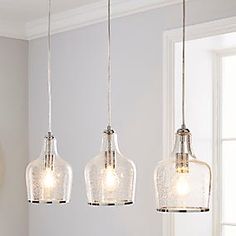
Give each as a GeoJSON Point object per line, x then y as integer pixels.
{"type": "Point", "coordinates": [110, 177]}
{"type": "Point", "coordinates": [49, 178]}
{"type": "Point", "coordinates": [182, 183]}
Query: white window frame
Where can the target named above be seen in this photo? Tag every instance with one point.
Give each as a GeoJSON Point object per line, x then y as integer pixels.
{"type": "Point", "coordinates": [217, 201]}
{"type": "Point", "coordinates": [170, 38]}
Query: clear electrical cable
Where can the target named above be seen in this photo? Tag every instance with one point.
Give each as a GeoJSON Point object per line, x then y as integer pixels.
{"type": "Point", "coordinates": [49, 69]}
{"type": "Point", "coordinates": [183, 69]}
{"type": "Point", "coordinates": [109, 85]}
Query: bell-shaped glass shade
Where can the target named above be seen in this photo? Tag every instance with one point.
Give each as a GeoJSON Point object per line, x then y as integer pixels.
{"type": "Point", "coordinates": [49, 178]}
{"type": "Point", "coordinates": [182, 183]}
{"type": "Point", "coordinates": [110, 177]}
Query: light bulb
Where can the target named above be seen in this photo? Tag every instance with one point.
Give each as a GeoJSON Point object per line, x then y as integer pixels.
{"type": "Point", "coordinates": [111, 180]}
{"type": "Point", "coordinates": [48, 179]}
{"type": "Point", "coordinates": [182, 186]}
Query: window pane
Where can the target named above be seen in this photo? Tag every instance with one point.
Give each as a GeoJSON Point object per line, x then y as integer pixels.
{"type": "Point", "coordinates": [229, 96]}
{"type": "Point", "coordinates": [228, 181]}
{"type": "Point", "coordinates": [229, 230]}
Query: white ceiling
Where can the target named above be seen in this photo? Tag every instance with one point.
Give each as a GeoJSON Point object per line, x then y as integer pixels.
{"type": "Point", "coordinates": [29, 10]}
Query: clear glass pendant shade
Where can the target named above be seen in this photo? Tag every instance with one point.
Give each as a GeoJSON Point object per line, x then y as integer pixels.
{"type": "Point", "coordinates": [110, 177]}
{"type": "Point", "coordinates": [49, 178]}
{"type": "Point", "coordinates": [182, 183]}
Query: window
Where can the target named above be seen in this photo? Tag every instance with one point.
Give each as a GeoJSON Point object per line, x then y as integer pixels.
{"type": "Point", "coordinates": [227, 145]}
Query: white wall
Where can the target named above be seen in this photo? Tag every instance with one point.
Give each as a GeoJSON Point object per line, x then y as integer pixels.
{"type": "Point", "coordinates": [13, 137]}
{"type": "Point", "coordinates": [79, 112]}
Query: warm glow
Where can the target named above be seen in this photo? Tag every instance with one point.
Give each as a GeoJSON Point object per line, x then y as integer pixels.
{"type": "Point", "coordinates": [111, 180]}
{"type": "Point", "coordinates": [48, 179]}
{"type": "Point", "coordinates": [182, 186]}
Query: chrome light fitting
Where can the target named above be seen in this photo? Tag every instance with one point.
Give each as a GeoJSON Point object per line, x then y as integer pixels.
{"type": "Point", "coordinates": [49, 178]}
{"type": "Point", "coordinates": [182, 183]}
{"type": "Point", "coordinates": [110, 177]}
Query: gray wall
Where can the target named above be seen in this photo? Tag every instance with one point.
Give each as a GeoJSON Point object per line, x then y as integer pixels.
{"type": "Point", "coordinates": [79, 112]}
{"type": "Point", "coordinates": [13, 136]}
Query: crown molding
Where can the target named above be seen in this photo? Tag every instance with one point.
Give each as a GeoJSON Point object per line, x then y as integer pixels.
{"type": "Point", "coordinates": [207, 29]}
{"type": "Point", "coordinates": [12, 30]}
{"type": "Point", "coordinates": [91, 14]}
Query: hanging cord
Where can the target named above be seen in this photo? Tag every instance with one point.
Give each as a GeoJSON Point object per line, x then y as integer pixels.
{"type": "Point", "coordinates": [183, 69]}
{"type": "Point", "coordinates": [109, 65]}
{"type": "Point", "coordinates": [49, 70]}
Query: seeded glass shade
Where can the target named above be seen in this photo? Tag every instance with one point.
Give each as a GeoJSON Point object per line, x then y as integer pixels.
{"type": "Point", "coordinates": [49, 178]}
{"type": "Point", "coordinates": [110, 177]}
{"type": "Point", "coordinates": [182, 183]}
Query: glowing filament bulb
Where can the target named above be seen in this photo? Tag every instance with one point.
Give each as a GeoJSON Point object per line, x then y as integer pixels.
{"type": "Point", "coordinates": [182, 186]}
{"type": "Point", "coordinates": [111, 180]}
{"type": "Point", "coordinates": [48, 179]}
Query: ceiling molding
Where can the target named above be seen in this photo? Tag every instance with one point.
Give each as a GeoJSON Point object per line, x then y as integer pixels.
{"type": "Point", "coordinates": [12, 30]}
{"type": "Point", "coordinates": [91, 14]}
{"type": "Point", "coordinates": [207, 29]}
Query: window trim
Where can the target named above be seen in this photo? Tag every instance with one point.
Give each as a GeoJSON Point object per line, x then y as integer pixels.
{"type": "Point", "coordinates": [216, 164]}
